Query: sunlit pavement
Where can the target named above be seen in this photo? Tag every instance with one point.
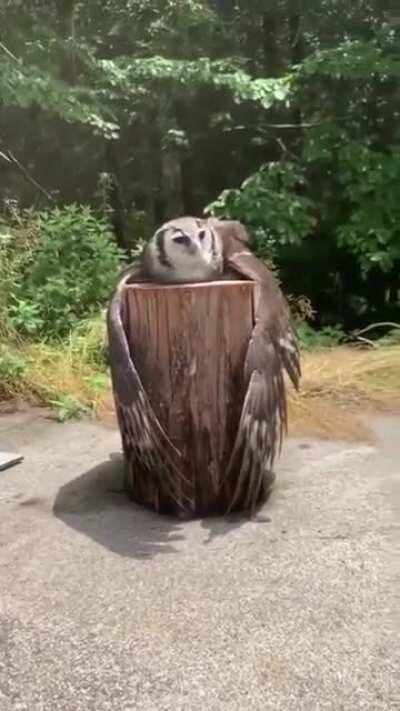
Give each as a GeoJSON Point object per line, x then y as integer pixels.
{"type": "Point", "coordinates": [105, 606]}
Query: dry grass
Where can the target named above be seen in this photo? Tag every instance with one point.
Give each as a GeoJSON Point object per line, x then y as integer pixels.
{"type": "Point", "coordinates": [339, 386]}
{"type": "Point", "coordinates": [68, 376]}
{"type": "Point", "coordinates": [54, 374]}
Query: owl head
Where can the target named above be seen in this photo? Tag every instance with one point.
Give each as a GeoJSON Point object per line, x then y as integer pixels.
{"type": "Point", "coordinates": [185, 249]}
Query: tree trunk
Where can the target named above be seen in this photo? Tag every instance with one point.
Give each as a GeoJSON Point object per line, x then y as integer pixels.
{"type": "Point", "coordinates": [270, 25]}
{"type": "Point", "coordinates": [296, 57]}
{"type": "Point", "coordinates": [116, 197]}
{"type": "Point", "coordinates": [189, 343]}
{"type": "Point", "coordinates": [66, 14]}
{"type": "Point", "coordinates": [171, 182]}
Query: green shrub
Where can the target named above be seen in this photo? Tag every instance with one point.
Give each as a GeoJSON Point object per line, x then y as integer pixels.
{"type": "Point", "coordinates": [12, 369]}
{"type": "Point", "coordinates": [18, 234]}
{"type": "Point", "coordinates": [68, 407]}
{"type": "Point", "coordinates": [24, 316]}
{"type": "Point", "coordinates": [88, 341]}
{"type": "Point", "coordinates": [270, 202]}
{"type": "Point", "coordinates": [69, 274]}
{"type": "Point", "coordinates": [371, 183]}
{"type": "Point", "coordinates": [311, 339]}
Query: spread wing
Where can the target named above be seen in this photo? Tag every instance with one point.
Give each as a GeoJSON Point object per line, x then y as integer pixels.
{"type": "Point", "coordinates": [143, 437]}
{"type": "Point", "coordinates": [272, 350]}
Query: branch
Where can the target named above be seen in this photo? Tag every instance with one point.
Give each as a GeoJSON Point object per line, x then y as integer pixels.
{"type": "Point", "coordinates": [284, 148]}
{"type": "Point", "coordinates": [296, 125]}
{"type": "Point", "coordinates": [8, 53]}
{"type": "Point", "coordinates": [3, 155]}
{"type": "Point", "coordinates": [377, 325]}
{"type": "Point", "coordinates": [27, 175]}
{"type": "Point", "coordinates": [367, 341]}
{"type": "Point", "coordinates": [357, 334]}
{"type": "Point", "coordinates": [310, 124]}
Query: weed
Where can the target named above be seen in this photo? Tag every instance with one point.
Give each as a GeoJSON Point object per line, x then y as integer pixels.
{"type": "Point", "coordinates": [311, 339]}
{"type": "Point", "coordinates": [68, 407]}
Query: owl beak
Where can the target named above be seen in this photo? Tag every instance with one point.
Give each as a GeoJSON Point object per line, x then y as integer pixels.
{"type": "Point", "coordinates": [192, 248]}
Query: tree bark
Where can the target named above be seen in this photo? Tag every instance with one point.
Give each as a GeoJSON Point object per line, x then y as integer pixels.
{"type": "Point", "coordinates": [296, 43]}
{"type": "Point", "coordinates": [171, 182]}
{"type": "Point", "coordinates": [189, 343]}
{"type": "Point", "coordinates": [116, 197]}
{"type": "Point", "coordinates": [66, 14]}
{"type": "Point", "coordinates": [270, 25]}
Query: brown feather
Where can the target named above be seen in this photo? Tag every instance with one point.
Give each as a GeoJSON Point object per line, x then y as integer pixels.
{"type": "Point", "coordinates": [142, 433]}
{"type": "Point", "coordinates": [272, 349]}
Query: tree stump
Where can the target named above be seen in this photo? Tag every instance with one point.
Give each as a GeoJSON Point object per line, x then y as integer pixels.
{"type": "Point", "coordinates": [189, 343]}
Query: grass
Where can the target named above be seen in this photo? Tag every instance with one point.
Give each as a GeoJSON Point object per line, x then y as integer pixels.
{"type": "Point", "coordinates": [71, 377]}
{"type": "Point", "coordinates": [339, 384]}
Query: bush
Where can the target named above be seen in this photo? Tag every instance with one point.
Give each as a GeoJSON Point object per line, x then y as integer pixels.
{"type": "Point", "coordinates": [12, 369]}
{"type": "Point", "coordinates": [57, 269]}
{"type": "Point", "coordinates": [371, 183]}
{"type": "Point", "coordinates": [311, 339]}
{"type": "Point", "coordinates": [329, 220]}
{"type": "Point", "coordinates": [270, 202]}
{"type": "Point", "coordinates": [68, 275]}
{"type": "Point", "coordinates": [17, 237]}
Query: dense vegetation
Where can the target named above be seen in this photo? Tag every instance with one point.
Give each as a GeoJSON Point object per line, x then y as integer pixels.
{"type": "Point", "coordinates": [117, 114]}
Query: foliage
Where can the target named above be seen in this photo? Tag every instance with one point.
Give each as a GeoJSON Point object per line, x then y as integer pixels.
{"type": "Point", "coordinates": [69, 274]}
{"type": "Point", "coordinates": [69, 376]}
{"type": "Point", "coordinates": [107, 80]}
{"type": "Point", "coordinates": [312, 339]}
{"type": "Point", "coordinates": [87, 342]}
{"type": "Point", "coordinates": [68, 407]}
{"type": "Point", "coordinates": [17, 237]}
{"type": "Point", "coordinates": [271, 204]}
{"type": "Point", "coordinates": [26, 86]}
{"type": "Point", "coordinates": [352, 59]}
{"type": "Point", "coordinates": [391, 338]}
{"type": "Point", "coordinates": [132, 76]}
{"type": "Point", "coordinates": [144, 109]}
{"type": "Point", "coordinates": [177, 103]}
{"type": "Point", "coordinates": [57, 267]}
{"type": "Point", "coordinates": [371, 183]}
{"type": "Point", "coordinates": [25, 316]}
{"type": "Point", "coordinates": [12, 368]}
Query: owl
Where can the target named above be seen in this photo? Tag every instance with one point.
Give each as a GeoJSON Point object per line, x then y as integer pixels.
{"type": "Point", "coordinates": [189, 250]}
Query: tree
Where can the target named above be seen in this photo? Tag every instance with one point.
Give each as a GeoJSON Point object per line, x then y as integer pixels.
{"type": "Point", "coordinates": [155, 107]}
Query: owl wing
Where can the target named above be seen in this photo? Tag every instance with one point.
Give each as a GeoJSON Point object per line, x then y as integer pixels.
{"type": "Point", "coordinates": [229, 229]}
{"type": "Point", "coordinates": [272, 350]}
{"type": "Point", "coordinates": [143, 437]}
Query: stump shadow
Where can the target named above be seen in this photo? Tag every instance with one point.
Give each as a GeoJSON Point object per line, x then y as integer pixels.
{"type": "Point", "coordinates": [95, 504]}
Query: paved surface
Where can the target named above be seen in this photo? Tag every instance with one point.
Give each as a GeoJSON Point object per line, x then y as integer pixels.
{"type": "Point", "coordinates": [106, 607]}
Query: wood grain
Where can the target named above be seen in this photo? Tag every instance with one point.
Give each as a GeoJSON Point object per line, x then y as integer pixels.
{"type": "Point", "coordinates": [189, 343]}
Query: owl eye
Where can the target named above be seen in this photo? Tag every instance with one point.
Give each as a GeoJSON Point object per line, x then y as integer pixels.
{"type": "Point", "coordinates": [182, 239]}
{"type": "Point", "coordinates": [202, 234]}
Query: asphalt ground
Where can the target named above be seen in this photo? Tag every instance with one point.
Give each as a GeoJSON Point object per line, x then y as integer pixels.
{"type": "Point", "coordinates": [105, 606]}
